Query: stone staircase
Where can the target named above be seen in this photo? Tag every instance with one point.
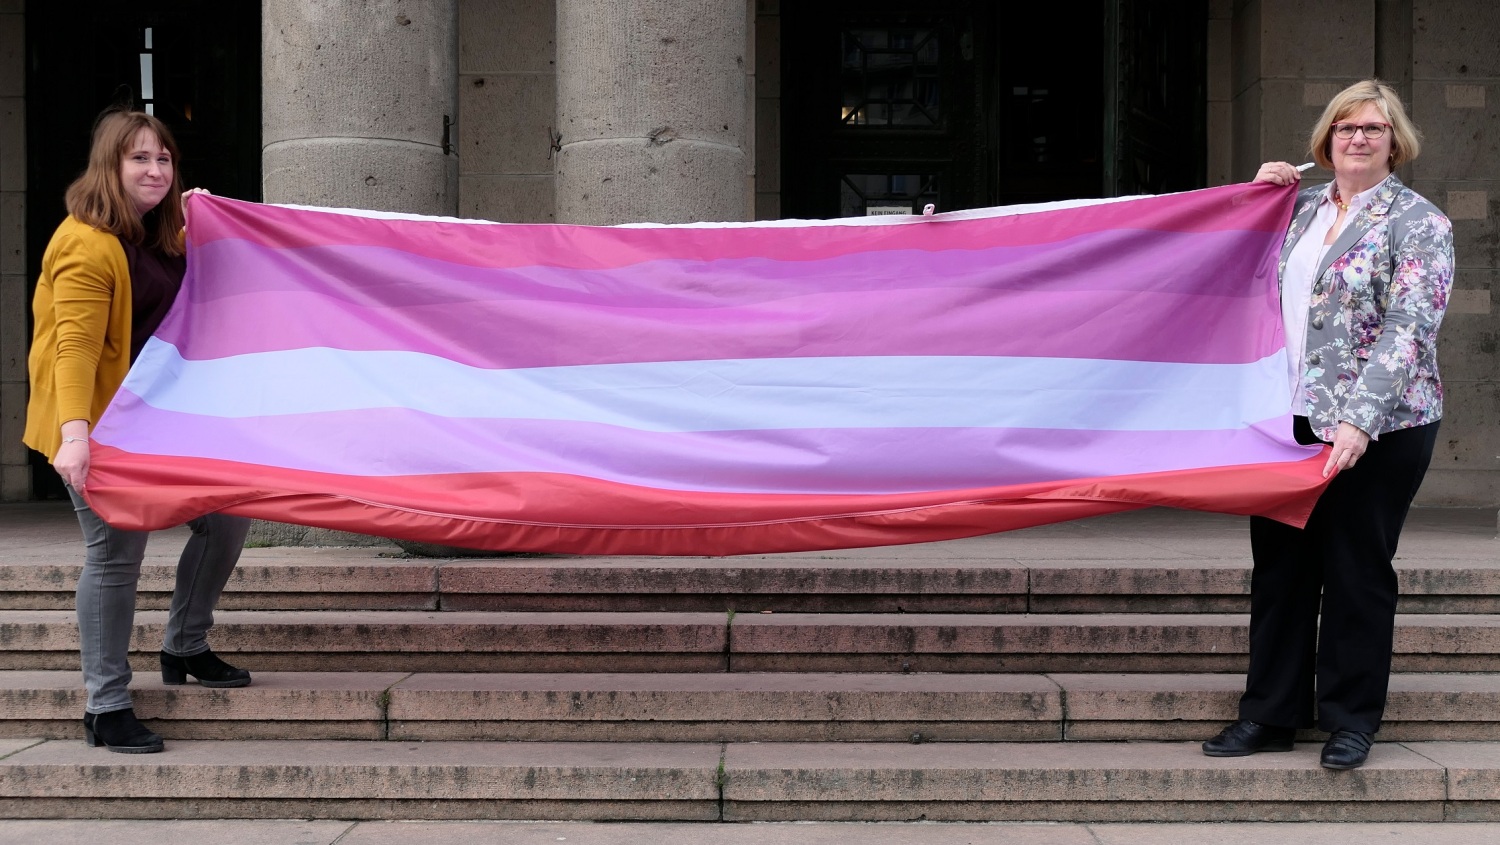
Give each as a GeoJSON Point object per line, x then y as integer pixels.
{"type": "Point", "coordinates": [1063, 673]}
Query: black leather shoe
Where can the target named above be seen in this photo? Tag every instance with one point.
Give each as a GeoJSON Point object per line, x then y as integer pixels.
{"type": "Point", "coordinates": [120, 730]}
{"type": "Point", "coordinates": [1347, 749]}
{"type": "Point", "coordinates": [1245, 737]}
{"type": "Point", "coordinates": [205, 666]}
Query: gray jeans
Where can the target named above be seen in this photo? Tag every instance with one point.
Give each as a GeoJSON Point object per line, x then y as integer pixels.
{"type": "Point", "coordinates": [106, 596]}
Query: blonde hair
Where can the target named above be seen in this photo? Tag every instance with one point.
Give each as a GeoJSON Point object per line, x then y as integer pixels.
{"type": "Point", "coordinates": [98, 198]}
{"type": "Point", "coordinates": [1406, 139]}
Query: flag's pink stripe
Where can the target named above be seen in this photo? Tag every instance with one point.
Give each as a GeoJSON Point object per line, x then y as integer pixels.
{"type": "Point", "coordinates": [248, 299]}
{"type": "Point", "coordinates": [556, 513]}
{"type": "Point", "coordinates": [1254, 207]}
{"type": "Point", "coordinates": [1228, 264]}
{"type": "Point", "coordinates": [398, 441]}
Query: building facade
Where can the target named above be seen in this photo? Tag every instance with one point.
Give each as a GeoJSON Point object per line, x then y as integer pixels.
{"type": "Point", "coordinates": [609, 111]}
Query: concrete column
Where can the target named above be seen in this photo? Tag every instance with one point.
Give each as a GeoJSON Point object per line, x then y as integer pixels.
{"type": "Point", "coordinates": [651, 101]}
{"type": "Point", "coordinates": [15, 304]}
{"type": "Point", "coordinates": [354, 94]}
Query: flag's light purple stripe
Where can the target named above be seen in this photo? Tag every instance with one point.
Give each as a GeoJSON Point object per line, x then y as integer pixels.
{"type": "Point", "coordinates": [495, 318]}
{"type": "Point", "coordinates": [732, 395]}
{"type": "Point", "coordinates": [394, 442]}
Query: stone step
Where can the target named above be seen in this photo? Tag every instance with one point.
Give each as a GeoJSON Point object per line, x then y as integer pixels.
{"type": "Point", "coordinates": [733, 707]}
{"type": "Point", "coordinates": [1154, 782]}
{"type": "Point", "coordinates": [1423, 782]}
{"type": "Point", "coordinates": [408, 641]}
{"type": "Point", "coordinates": [363, 579]}
{"type": "Point", "coordinates": [330, 832]}
{"type": "Point", "coordinates": [404, 641]}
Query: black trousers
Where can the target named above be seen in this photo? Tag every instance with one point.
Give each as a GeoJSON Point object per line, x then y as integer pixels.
{"type": "Point", "coordinates": [1342, 669]}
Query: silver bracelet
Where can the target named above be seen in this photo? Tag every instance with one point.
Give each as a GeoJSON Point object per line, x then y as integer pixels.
{"type": "Point", "coordinates": [75, 440]}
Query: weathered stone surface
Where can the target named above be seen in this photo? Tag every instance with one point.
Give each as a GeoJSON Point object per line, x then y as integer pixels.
{"type": "Point", "coordinates": [385, 175]}
{"type": "Point", "coordinates": [653, 122]}
{"type": "Point", "coordinates": [369, 770]}
{"type": "Point", "coordinates": [517, 111]}
{"type": "Point", "coordinates": [726, 697]}
{"type": "Point", "coordinates": [1313, 40]}
{"type": "Point", "coordinates": [507, 36]}
{"type": "Point", "coordinates": [784, 584]}
{"type": "Point", "coordinates": [507, 198]}
{"type": "Point", "coordinates": [1155, 812]}
{"type": "Point", "coordinates": [1473, 768]}
{"type": "Point", "coordinates": [353, 104]}
{"type": "Point", "coordinates": [864, 633]}
{"type": "Point", "coordinates": [1064, 772]}
{"type": "Point", "coordinates": [537, 833]}
{"type": "Point", "coordinates": [133, 832]}
{"type": "Point", "coordinates": [392, 809]}
{"type": "Point", "coordinates": [273, 696]}
{"type": "Point", "coordinates": [1448, 44]}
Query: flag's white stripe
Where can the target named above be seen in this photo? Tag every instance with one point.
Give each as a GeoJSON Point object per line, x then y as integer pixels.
{"type": "Point", "coordinates": [727, 395]}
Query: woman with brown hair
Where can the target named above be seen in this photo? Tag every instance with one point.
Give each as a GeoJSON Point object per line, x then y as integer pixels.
{"type": "Point", "coordinates": [109, 276]}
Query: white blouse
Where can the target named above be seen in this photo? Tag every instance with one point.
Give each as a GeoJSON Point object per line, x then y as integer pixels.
{"type": "Point", "coordinates": [1298, 279]}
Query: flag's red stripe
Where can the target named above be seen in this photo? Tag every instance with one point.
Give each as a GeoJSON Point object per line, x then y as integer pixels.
{"type": "Point", "coordinates": [537, 512]}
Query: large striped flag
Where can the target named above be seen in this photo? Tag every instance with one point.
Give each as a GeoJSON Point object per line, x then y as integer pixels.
{"type": "Point", "coordinates": [715, 389]}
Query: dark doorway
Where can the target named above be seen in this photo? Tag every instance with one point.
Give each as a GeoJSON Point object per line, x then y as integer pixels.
{"type": "Point", "coordinates": [196, 65]}
{"type": "Point", "coordinates": [892, 104]}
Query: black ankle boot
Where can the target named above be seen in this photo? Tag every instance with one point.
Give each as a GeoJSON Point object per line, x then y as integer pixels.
{"type": "Point", "coordinates": [119, 730]}
{"type": "Point", "coordinates": [205, 666]}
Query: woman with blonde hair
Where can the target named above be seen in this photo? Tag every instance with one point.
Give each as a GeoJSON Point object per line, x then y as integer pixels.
{"type": "Point", "coordinates": [1365, 273]}
{"type": "Point", "coordinates": [109, 276]}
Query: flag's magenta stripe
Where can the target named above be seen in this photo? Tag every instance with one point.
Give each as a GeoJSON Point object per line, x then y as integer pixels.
{"type": "Point", "coordinates": [541, 512]}
{"type": "Point", "coordinates": [1256, 207]}
{"type": "Point", "coordinates": [248, 299]}
{"type": "Point", "coordinates": [378, 442]}
{"type": "Point", "coordinates": [519, 334]}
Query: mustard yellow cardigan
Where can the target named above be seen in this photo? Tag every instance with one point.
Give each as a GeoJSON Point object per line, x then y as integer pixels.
{"type": "Point", "coordinates": [80, 349]}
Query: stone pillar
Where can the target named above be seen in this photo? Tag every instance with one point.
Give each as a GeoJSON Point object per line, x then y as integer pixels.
{"type": "Point", "coordinates": [651, 101]}
{"type": "Point", "coordinates": [354, 96]}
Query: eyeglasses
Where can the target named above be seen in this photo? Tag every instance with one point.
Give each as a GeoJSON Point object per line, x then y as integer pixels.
{"type": "Point", "coordinates": [1372, 131]}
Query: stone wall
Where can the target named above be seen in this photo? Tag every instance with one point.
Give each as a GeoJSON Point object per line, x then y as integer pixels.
{"type": "Point", "coordinates": [1455, 94]}
{"type": "Point", "coordinates": [507, 100]}
{"type": "Point", "coordinates": [1290, 57]}
{"type": "Point", "coordinates": [15, 337]}
{"type": "Point", "coordinates": [766, 88]}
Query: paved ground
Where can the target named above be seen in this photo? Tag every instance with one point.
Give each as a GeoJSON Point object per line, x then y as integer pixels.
{"type": "Point", "coordinates": [294, 832]}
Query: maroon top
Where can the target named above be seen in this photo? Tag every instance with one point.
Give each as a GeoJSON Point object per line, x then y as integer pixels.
{"type": "Point", "coordinates": [154, 281]}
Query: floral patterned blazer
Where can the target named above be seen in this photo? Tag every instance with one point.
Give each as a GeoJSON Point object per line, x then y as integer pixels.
{"type": "Point", "coordinates": [1376, 306]}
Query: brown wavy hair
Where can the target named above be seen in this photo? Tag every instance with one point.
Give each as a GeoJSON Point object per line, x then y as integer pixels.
{"type": "Point", "coordinates": [98, 197]}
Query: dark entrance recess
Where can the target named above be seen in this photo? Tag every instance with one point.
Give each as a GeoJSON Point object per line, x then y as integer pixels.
{"type": "Point", "coordinates": [197, 65]}
{"type": "Point", "coordinates": [892, 104]}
